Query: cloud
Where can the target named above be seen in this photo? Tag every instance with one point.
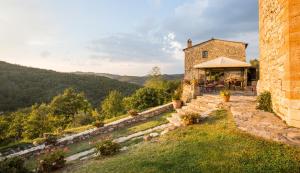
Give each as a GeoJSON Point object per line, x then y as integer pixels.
{"type": "Point", "coordinates": [136, 47]}
{"type": "Point", "coordinates": [29, 34]}
{"type": "Point", "coordinates": [204, 19]}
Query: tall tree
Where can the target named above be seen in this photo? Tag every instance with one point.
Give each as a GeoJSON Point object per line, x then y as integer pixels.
{"type": "Point", "coordinates": [38, 122]}
{"type": "Point", "coordinates": [69, 104]}
{"type": "Point", "coordinates": [3, 129]}
{"type": "Point", "coordinates": [112, 105]}
{"type": "Point", "coordinates": [16, 126]}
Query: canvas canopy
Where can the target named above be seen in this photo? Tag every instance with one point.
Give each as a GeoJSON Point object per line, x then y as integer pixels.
{"type": "Point", "coordinates": [222, 62]}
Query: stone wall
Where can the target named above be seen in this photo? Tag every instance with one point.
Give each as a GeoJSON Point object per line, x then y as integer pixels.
{"type": "Point", "coordinates": [279, 31]}
{"type": "Point", "coordinates": [216, 48]}
{"type": "Point", "coordinates": [143, 116]}
{"type": "Point", "coordinates": [189, 92]}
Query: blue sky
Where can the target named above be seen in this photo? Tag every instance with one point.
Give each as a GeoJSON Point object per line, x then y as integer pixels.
{"type": "Point", "coordinates": [119, 36]}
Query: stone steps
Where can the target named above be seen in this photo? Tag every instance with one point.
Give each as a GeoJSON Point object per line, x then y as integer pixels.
{"type": "Point", "coordinates": [202, 105]}
{"type": "Point", "coordinates": [175, 119]}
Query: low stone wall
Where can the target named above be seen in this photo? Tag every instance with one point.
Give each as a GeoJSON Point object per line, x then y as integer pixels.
{"type": "Point", "coordinates": [143, 116]}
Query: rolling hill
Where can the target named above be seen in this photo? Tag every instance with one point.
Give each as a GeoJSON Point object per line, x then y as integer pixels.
{"type": "Point", "coordinates": [139, 80]}
{"type": "Point", "coordinates": [23, 86]}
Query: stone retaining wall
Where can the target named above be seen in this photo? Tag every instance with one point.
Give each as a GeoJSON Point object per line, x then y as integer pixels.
{"type": "Point", "coordinates": [143, 116]}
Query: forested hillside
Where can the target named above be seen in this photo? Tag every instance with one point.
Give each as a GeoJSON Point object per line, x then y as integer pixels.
{"type": "Point", "coordinates": [139, 80]}
{"type": "Point", "coordinates": [23, 86]}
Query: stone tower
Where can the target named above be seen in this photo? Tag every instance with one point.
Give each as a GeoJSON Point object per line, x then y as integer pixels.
{"type": "Point", "coordinates": [279, 32]}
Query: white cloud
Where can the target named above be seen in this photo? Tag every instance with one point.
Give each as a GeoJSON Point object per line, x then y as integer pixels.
{"type": "Point", "coordinates": [172, 47]}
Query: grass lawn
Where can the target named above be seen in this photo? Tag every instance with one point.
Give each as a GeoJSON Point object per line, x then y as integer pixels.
{"type": "Point", "coordinates": [88, 144]}
{"type": "Point", "coordinates": [106, 121]}
{"type": "Point", "coordinates": [214, 146]}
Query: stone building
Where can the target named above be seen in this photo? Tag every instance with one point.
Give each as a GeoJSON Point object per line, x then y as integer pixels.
{"type": "Point", "coordinates": [279, 36]}
{"type": "Point", "coordinates": [216, 64]}
{"type": "Point", "coordinates": [208, 52]}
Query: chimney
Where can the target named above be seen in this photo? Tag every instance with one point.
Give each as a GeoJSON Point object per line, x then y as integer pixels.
{"type": "Point", "coordinates": [189, 43]}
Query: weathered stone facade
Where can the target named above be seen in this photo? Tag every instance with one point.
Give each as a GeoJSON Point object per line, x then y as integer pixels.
{"type": "Point", "coordinates": [279, 26]}
{"type": "Point", "coordinates": [215, 48]}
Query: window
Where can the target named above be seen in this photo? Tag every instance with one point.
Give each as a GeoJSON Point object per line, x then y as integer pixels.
{"type": "Point", "coordinates": [204, 54]}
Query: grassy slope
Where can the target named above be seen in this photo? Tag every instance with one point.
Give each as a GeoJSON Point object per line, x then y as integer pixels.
{"type": "Point", "coordinates": [23, 86]}
{"type": "Point", "coordinates": [216, 146]}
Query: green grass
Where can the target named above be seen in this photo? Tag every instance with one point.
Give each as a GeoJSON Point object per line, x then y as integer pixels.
{"type": "Point", "coordinates": [153, 122]}
{"type": "Point", "coordinates": [115, 118]}
{"type": "Point", "coordinates": [16, 144]}
{"type": "Point", "coordinates": [88, 144]}
{"type": "Point", "coordinates": [78, 129]}
{"type": "Point", "coordinates": [215, 146]}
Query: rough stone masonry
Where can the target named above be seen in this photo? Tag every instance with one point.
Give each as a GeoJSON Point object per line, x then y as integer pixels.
{"type": "Point", "coordinates": [279, 31]}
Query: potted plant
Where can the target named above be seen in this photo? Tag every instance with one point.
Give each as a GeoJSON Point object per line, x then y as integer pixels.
{"type": "Point", "coordinates": [177, 103]}
{"type": "Point", "coordinates": [226, 95]}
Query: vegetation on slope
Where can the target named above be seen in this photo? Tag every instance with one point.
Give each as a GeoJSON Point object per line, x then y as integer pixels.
{"type": "Point", "coordinates": [139, 80]}
{"type": "Point", "coordinates": [22, 86]}
{"type": "Point", "coordinates": [215, 146]}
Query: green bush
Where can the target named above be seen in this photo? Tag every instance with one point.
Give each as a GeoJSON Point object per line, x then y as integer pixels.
{"type": "Point", "coordinates": [112, 105]}
{"type": "Point", "coordinates": [50, 138]}
{"type": "Point", "coordinates": [265, 101]}
{"type": "Point", "coordinates": [107, 148]}
{"type": "Point", "coordinates": [83, 118]}
{"type": "Point", "coordinates": [13, 165]}
{"type": "Point", "coordinates": [190, 118]}
{"type": "Point", "coordinates": [144, 98]}
{"type": "Point", "coordinates": [52, 161]}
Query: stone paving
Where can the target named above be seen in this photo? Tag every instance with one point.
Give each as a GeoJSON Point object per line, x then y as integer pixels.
{"type": "Point", "coordinates": [260, 123]}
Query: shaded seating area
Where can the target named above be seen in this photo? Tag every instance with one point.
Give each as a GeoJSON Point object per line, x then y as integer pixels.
{"type": "Point", "coordinates": [221, 73]}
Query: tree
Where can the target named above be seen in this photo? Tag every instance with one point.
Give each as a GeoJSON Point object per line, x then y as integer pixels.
{"type": "Point", "coordinates": [69, 104]}
{"type": "Point", "coordinates": [16, 126]}
{"type": "Point", "coordinates": [155, 79]}
{"type": "Point", "coordinates": [3, 129]}
{"type": "Point", "coordinates": [112, 105]}
{"type": "Point", "coordinates": [144, 98]}
{"type": "Point", "coordinates": [38, 122]}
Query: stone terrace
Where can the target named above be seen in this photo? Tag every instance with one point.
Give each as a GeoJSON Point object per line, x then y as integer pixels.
{"type": "Point", "coordinates": [248, 119]}
{"type": "Point", "coordinates": [260, 123]}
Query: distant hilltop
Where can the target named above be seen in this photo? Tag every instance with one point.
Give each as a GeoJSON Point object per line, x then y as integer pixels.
{"type": "Point", "coordinates": [139, 80]}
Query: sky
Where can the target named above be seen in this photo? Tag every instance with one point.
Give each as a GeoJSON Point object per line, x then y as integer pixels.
{"type": "Point", "coordinates": [126, 37]}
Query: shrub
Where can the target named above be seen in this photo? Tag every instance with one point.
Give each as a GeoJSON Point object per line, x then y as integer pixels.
{"type": "Point", "coordinates": [144, 98]}
{"type": "Point", "coordinates": [265, 101]}
{"type": "Point", "coordinates": [98, 124]}
{"type": "Point", "coordinates": [133, 112]}
{"type": "Point", "coordinates": [50, 138]}
{"type": "Point", "coordinates": [83, 118]}
{"type": "Point", "coordinates": [52, 161]}
{"type": "Point", "coordinates": [190, 118]}
{"type": "Point", "coordinates": [112, 105]}
{"type": "Point", "coordinates": [107, 147]}
{"type": "Point", "coordinates": [14, 165]}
